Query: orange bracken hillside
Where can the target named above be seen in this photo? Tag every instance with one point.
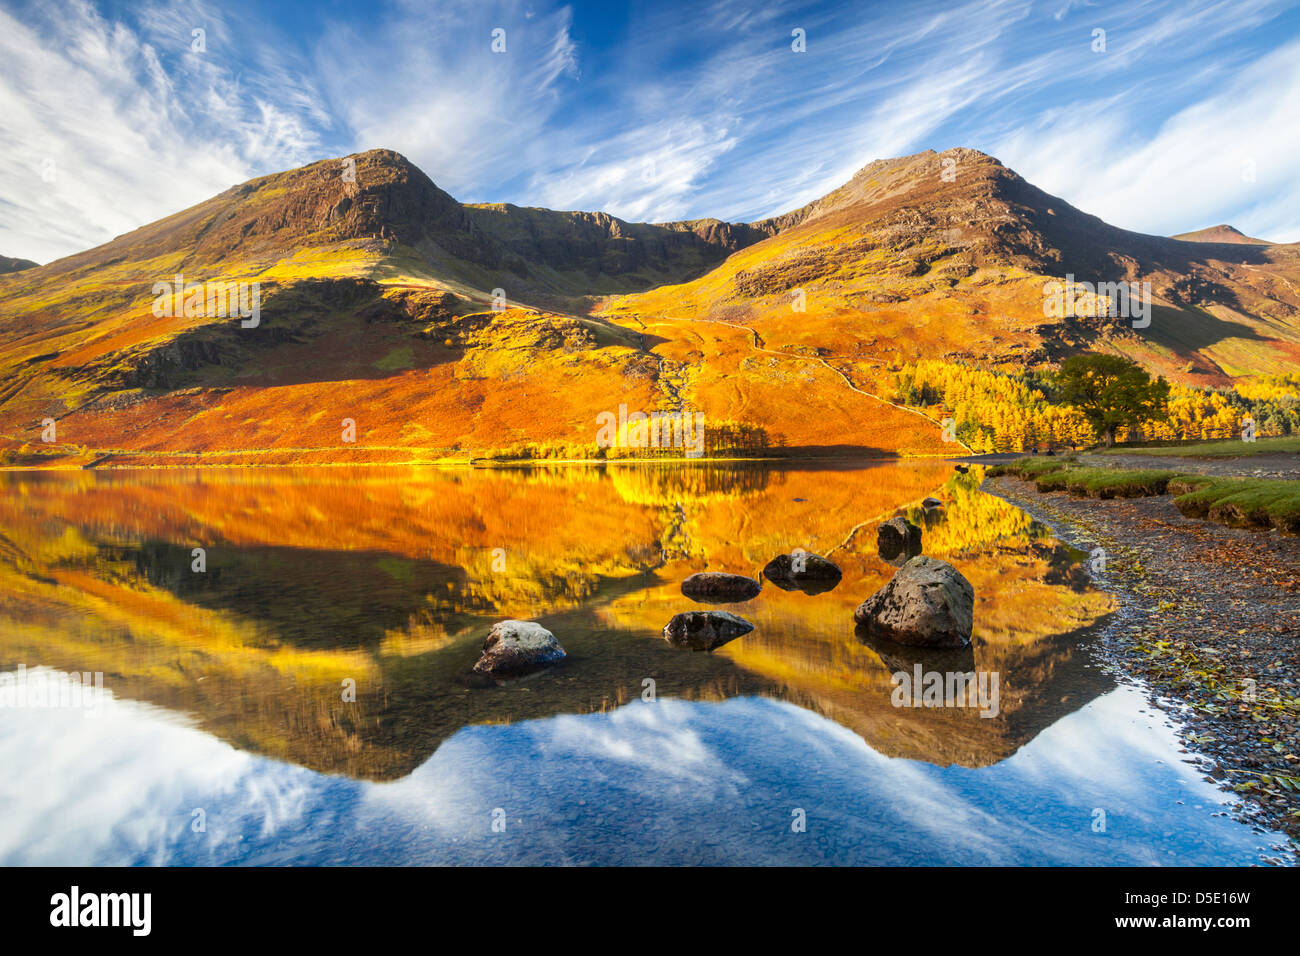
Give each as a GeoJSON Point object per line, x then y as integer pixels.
{"type": "Point", "coordinates": [436, 330]}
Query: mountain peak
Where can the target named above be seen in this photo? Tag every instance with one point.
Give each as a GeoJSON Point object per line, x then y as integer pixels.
{"type": "Point", "coordinates": [885, 181]}
{"type": "Point", "coordinates": [374, 195]}
{"type": "Point", "coordinates": [1221, 233]}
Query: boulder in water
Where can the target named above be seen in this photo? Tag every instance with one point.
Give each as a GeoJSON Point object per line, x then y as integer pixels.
{"type": "Point", "coordinates": [717, 587]}
{"type": "Point", "coordinates": [704, 630]}
{"type": "Point", "coordinates": [898, 536]}
{"type": "Point", "coordinates": [802, 571]}
{"type": "Point", "coordinates": [516, 648]}
{"type": "Point", "coordinates": [927, 603]}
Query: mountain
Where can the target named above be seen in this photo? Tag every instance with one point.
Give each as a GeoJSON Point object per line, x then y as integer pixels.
{"type": "Point", "coordinates": [1221, 233]}
{"type": "Point", "coordinates": [901, 263]}
{"type": "Point", "coordinates": [448, 330]}
{"type": "Point", "coordinates": [15, 265]}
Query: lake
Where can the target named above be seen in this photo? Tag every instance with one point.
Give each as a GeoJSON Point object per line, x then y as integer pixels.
{"type": "Point", "coordinates": [279, 662]}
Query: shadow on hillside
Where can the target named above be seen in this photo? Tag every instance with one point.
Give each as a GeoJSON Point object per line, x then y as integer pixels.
{"type": "Point", "coordinates": [1194, 328]}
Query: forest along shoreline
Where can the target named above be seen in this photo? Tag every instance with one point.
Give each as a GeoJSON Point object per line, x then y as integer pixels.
{"type": "Point", "coordinates": [1211, 625]}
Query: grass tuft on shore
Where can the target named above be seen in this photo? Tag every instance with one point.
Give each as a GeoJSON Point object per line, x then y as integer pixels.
{"type": "Point", "coordinates": [1246, 503]}
{"type": "Point", "coordinates": [1237, 502]}
{"type": "Point", "coordinates": [1226, 448]}
{"type": "Point", "coordinates": [1089, 482]}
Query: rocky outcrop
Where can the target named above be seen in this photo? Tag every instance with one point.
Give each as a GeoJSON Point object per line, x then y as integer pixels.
{"type": "Point", "coordinates": [516, 648]}
{"type": "Point", "coordinates": [928, 603]}
{"type": "Point", "coordinates": [717, 587]}
{"type": "Point", "coordinates": [704, 630]}
{"type": "Point", "coordinates": [598, 244]}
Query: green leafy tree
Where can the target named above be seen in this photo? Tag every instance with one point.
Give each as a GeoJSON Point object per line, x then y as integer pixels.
{"type": "Point", "coordinates": [1111, 392]}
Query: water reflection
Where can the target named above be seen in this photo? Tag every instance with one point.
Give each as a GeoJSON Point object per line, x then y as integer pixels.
{"type": "Point", "coordinates": [318, 581]}
{"type": "Point", "coordinates": [389, 579]}
{"type": "Point", "coordinates": [666, 783]}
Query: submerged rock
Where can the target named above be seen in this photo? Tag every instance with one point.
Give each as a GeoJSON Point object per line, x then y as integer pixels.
{"type": "Point", "coordinates": [928, 603]}
{"type": "Point", "coordinates": [516, 648]}
{"type": "Point", "coordinates": [898, 536]}
{"type": "Point", "coordinates": [704, 630]}
{"type": "Point", "coordinates": [720, 587]}
{"type": "Point", "coordinates": [810, 573]}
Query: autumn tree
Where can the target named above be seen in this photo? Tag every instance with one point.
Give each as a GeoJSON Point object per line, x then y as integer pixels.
{"type": "Point", "coordinates": [1111, 392]}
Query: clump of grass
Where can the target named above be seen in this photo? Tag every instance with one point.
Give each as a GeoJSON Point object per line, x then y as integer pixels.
{"type": "Point", "coordinates": [1246, 503]}
{"type": "Point", "coordinates": [1186, 484]}
{"type": "Point", "coordinates": [1227, 448]}
{"type": "Point", "coordinates": [1058, 480]}
{"type": "Point", "coordinates": [1112, 483]}
{"type": "Point", "coordinates": [1067, 475]}
{"type": "Point", "coordinates": [1030, 467]}
{"type": "Point", "coordinates": [1238, 502]}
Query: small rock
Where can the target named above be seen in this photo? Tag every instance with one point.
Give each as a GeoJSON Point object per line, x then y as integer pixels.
{"type": "Point", "coordinates": [931, 503]}
{"type": "Point", "coordinates": [704, 630]}
{"type": "Point", "coordinates": [802, 570]}
{"type": "Point", "coordinates": [898, 536]}
{"type": "Point", "coordinates": [718, 587]}
{"type": "Point", "coordinates": [927, 603]}
{"type": "Point", "coordinates": [516, 648]}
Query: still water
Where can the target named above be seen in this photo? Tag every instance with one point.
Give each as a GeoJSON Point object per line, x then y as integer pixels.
{"type": "Point", "coordinates": [299, 690]}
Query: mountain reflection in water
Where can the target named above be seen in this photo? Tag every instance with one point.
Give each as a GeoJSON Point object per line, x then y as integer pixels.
{"type": "Point", "coordinates": [321, 579]}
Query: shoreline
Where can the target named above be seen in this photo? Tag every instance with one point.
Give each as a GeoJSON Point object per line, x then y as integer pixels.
{"type": "Point", "coordinates": [524, 463]}
{"type": "Point", "coordinates": [1209, 629]}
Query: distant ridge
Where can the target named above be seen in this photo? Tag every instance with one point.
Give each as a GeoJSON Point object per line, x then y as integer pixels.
{"type": "Point", "coordinates": [15, 265]}
{"type": "Point", "coordinates": [1221, 233]}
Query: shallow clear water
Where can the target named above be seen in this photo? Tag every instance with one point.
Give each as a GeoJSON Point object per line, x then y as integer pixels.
{"type": "Point", "coordinates": [306, 697]}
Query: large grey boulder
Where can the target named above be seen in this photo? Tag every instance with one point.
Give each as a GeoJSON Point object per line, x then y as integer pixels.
{"type": "Point", "coordinates": [898, 536]}
{"type": "Point", "coordinates": [928, 603]}
{"type": "Point", "coordinates": [718, 587]}
{"type": "Point", "coordinates": [516, 648]}
{"type": "Point", "coordinates": [704, 630]}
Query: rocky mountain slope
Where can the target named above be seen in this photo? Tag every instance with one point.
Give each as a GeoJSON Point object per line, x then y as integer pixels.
{"type": "Point", "coordinates": [440, 329]}
{"type": "Point", "coordinates": [948, 255]}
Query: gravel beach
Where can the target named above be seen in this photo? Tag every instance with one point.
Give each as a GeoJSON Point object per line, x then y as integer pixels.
{"type": "Point", "coordinates": [1210, 622]}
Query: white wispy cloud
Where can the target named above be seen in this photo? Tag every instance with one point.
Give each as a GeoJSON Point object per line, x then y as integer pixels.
{"type": "Point", "coordinates": [1229, 157]}
{"type": "Point", "coordinates": [689, 111]}
{"type": "Point", "coordinates": [107, 128]}
{"type": "Point", "coordinates": [426, 82]}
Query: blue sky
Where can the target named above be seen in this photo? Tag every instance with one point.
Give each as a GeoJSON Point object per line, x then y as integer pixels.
{"type": "Point", "coordinates": [109, 119]}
